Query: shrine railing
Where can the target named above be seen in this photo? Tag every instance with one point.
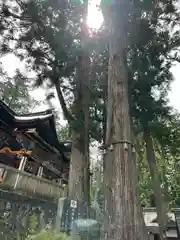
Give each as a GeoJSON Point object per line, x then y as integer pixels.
{"type": "Point", "coordinates": [28, 184]}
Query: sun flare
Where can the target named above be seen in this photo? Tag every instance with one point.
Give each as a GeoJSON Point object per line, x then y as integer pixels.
{"type": "Point", "coordinates": [95, 18]}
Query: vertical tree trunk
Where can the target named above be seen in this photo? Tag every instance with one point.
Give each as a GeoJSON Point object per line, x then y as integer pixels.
{"type": "Point", "coordinates": [165, 181]}
{"type": "Point", "coordinates": [79, 175]}
{"type": "Point", "coordinates": [79, 168]}
{"type": "Point", "coordinates": [77, 184]}
{"type": "Point", "coordinates": [156, 184]}
{"type": "Point", "coordinates": [137, 207]}
{"type": "Point", "coordinates": [86, 101]}
{"type": "Point", "coordinates": [124, 218]}
{"type": "Point", "coordinates": [79, 178]}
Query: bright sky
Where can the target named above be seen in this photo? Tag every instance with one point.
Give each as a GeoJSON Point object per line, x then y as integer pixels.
{"type": "Point", "coordinates": [95, 19]}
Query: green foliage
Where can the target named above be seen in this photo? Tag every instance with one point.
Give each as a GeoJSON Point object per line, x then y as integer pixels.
{"type": "Point", "coordinates": [48, 235]}
{"type": "Point", "coordinates": [14, 91]}
{"type": "Point", "coordinates": [33, 223]}
{"type": "Point", "coordinates": [50, 36]}
{"type": "Point", "coordinates": [64, 133]}
{"type": "Point", "coordinates": [167, 156]}
{"type": "Point", "coordinates": [149, 64]}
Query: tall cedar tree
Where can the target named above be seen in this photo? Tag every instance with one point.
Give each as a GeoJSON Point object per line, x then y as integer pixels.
{"type": "Point", "coordinates": [50, 36]}
{"type": "Point", "coordinates": [121, 195]}
{"type": "Point", "coordinates": [149, 68]}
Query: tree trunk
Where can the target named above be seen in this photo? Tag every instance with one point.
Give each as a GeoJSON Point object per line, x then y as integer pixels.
{"type": "Point", "coordinates": [137, 207]}
{"type": "Point", "coordinates": [79, 179]}
{"type": "Point", "coordinates": [156, 184]}
{"type": "Point", "coordinates": [79, 176]}
{"type": "Point", "coordinates": [86, 100]}
{"type": "Point", "coordinates": [78, 187]}
{"type": "Point", "coordinates": [123, 210]}
{"type": "Point", "coordinates": [165, 181]}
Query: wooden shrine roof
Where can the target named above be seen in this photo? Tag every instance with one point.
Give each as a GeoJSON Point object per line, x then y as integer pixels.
{"type": "Point", "coordinates": [38, 127]}
{"type": "Point", "coordinates": [43, 122]}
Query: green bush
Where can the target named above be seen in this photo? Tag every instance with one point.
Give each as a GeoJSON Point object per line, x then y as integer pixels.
{"type": "Point", "coordinates": [48, 235]}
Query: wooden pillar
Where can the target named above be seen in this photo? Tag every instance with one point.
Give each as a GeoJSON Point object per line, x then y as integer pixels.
{"type": "Point", "coordinates": [40, 172]}
{"type": "Point", "coordinates": [58, 217]}
{"type": "Point", "coordinates": [65, 190]}
{"type": "Point", "coordinates": [46, 215]}
{"type": "Point", "coordinates": [22, 164]}
{"type": "Point", "coordinates": [21, 168]}
{"type": "Point", "coordinates": [151, 236]}
{"type": "Point", "coordinates": [41, 220]}
{"type": "Point", "coordinates": [1, 174]}
{"type": "Point", "coordinates": [14, 211]}
{"type": "Point", "coordinates": [1, 171]}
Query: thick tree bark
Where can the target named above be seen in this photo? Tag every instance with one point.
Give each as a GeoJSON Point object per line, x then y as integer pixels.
{"type": "Point", "coordinates": [79, 179]}
{"type": "Point", "coordinates": [137, 207]}
{"type": "Point", "coordinates": [156, 184]}
{"type": "Point", "coordinates": [79, 176]}
{"type": "Point", "coordinates": [122, 203]}
{"type": "Point", "coordinates": [124, 219]}
{"type": "Point", "coordinates": [78, 187]}
{"type": "Point", "coordinates": [125, 215]}
{"type": "Point", "coordinates": [86, 100]}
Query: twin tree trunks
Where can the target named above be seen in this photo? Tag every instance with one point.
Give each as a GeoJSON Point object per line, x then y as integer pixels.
{"type": "Point", "coordinates": [124, 217]}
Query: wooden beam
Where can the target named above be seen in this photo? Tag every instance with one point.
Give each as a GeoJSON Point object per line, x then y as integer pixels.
{"type": "Point", "coordinates": [40, 172]}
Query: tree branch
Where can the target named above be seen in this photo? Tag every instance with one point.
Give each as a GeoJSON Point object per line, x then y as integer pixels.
{"type": "Point", "coordinates": [7, 13]}
{"type": "Point", "coordinates": [69, 117]}
{"type": "Point", "coordinates": [67, 88]}
{"type": "Point", "coordinates": [170, 19]}
{"type": "Point", "coordinates": [174, 59]}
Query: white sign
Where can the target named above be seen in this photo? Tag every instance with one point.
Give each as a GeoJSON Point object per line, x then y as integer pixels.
{"type": "Point", "coordinates": [73, 204]}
